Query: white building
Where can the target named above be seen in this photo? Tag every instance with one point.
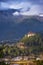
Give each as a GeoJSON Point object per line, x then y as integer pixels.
{"type": "Point", "coordinates": [38, 58]}
{"type": "Point", "coordinates": [17, 58]}
{"type": "Point", "coordinates": [30, 34]}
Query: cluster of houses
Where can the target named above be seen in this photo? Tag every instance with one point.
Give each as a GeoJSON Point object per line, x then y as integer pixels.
{"type": "Point", "coordinates": [19, 58]}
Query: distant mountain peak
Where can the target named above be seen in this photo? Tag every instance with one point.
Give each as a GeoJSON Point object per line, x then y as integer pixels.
{"type": "Point", "coordinates": [9, 11]}
{"type": "Point", "coordinates": [16, 13]}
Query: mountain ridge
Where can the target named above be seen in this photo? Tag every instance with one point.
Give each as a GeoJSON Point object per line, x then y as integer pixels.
{"type": "Point", "coordinates": [14, 27]}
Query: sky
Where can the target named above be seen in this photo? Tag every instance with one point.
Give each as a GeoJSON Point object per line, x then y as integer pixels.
{"type": "Point", "coordinates": [26, 7]}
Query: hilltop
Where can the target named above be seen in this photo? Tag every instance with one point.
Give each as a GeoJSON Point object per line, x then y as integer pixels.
{"type": "Point", "coordinates": [33, 42]}
{"type": "Point", "coordinates": [30, 43]}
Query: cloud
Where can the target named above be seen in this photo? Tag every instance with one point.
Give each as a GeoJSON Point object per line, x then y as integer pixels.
{"type": "Point", "coordinates": [32, 1]}
{"type": "Point", "coordinates": [34, 10]}
{"type": "Point", "coordinates": [26, 8]}
{"type": "Point", "coordinates": [4, 5]}
{"type": "Point", "coordinates": [16, 5]}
